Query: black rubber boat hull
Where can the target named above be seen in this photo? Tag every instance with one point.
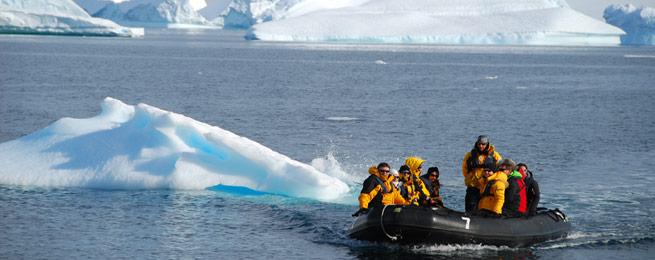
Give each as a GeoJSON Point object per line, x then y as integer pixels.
{"type": "Point", "coordinates": [420, 225]}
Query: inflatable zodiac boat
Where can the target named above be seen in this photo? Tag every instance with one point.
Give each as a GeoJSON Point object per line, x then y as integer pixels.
{"type": "Point", "coordinates": [420, 225]}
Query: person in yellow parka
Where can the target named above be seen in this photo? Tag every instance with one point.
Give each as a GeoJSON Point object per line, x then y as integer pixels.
{"type": "Point", "coordinates": [483, 155]}
{"type": "Point", "coordinates": [378, 191]}
{"type": "Point", "coordinates": [419, 191]}
{"type": "Point", "coordinates": [492, 188]}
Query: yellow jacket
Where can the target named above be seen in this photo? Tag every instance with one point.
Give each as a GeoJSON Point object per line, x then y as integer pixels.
{"type": "Point", "coordinates": [493, 198]}
{"type": "Point", "coordinates": [472, 176]}
{"type": "Point", "coordinates": [377, 191]}
{"type": "Point", "coordinates": [413, 163]}
{"type": "Point", "coordinates": [414, 195]}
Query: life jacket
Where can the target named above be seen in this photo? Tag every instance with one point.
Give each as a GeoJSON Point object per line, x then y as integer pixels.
{"type": "Point", "coordinates": [404, 191]}
{"type": "Point", "coordinates": [411, 191]}
{"type": "Point", "coordinates": [489, 161]}
{"type": "Point", "coordinates": [377, 200]}
{"type": "Point", "coordinates": [380, 182]}
{"type": "Point", "coordinates": [516, 201]}
{"type": "Point", "coordinates": [523, 204]}
{"type": "Point", "coordinates": [487, 188]}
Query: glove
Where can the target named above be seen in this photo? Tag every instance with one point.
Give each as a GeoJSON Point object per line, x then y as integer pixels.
{"type": "Point", "coordinates": [360, 211]}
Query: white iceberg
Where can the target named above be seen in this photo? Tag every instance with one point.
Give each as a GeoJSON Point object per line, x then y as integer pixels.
{"type": "Point", "coordinates": [143, 147]}
{"type": "Point", "coordinates": [538, 22]}
{"type": "Point", "coordinates": [56, 17]}
{"type": "Point", "coordinates": [154, 13]}
{"type": "Point", "coordinates": [242, 14]}
{"type": "Point", "coordinates": [638, 23]}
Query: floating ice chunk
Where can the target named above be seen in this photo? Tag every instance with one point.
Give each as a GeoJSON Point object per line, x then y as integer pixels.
{"type": "Point", "coordinates": [632, 56]}
{"type": "Point", "coordinates": [341, 118]}
{"type": "Point", "coordinates": [638, 23]}
{"type": "Point", "coordinates": [143, 147]}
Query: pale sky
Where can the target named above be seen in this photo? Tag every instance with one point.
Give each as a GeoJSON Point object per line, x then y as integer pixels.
{"type": "Point", "coordinates": [594, 8]}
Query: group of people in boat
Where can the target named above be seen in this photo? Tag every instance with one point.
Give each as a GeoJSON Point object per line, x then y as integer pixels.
{"type": "Point", "coordinates": [496, 187]}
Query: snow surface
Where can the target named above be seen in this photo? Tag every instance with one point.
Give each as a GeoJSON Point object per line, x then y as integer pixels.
{"type": "Point", "coordinates": [143, 147]}
{"type": "Point", "coordinates": [56, 17]}
{"type": "Point", "coordinates": [153, 13]}
{"type": "Point", "coordinates": [638, 23]}
{"type": "Point", "coordinates": [242, 14]}
{"type": "Point", "coordinates": [540, 22]}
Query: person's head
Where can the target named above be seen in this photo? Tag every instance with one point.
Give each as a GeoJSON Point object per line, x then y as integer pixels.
{"type": "Point", "coordinates": [522, 168]}
{"type": "Point", "coordinates": [404, 172]}
{"type": "Point", "coordinates": [487, 172]}
{"type": "Point", "coordinates": [433, 173]}
{"type": "Point", "coordinates": [384, 170]}
{"type": "Point", "coordinates": [482, 144]}
{"type": "Point", "coordinates": [415, 164]}
{"type": "Point", "coordinates": [507, 165]}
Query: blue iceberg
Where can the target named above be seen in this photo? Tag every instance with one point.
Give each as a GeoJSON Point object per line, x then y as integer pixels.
{"type": "Point", "coordinates": [638, 23]}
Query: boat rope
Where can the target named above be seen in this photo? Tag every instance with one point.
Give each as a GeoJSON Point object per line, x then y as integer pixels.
{"type": "Point", "coordinates": [393, 238]}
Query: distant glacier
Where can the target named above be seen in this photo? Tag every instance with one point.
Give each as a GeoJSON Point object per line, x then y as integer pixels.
{"type": "Point", "coordinates": [61, 17]}
{"type": "Point", "coordinates": [520, 22]}
{"type": "Point", "coordinates": [511, 22]}
{"type": "Point", "coordinates": [150, 13]}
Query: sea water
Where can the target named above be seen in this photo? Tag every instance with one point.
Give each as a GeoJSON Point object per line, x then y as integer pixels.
{"type": "Point", "coordinates": [582, 118]}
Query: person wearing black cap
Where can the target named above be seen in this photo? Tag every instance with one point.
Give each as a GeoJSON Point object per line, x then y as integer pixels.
{"type": "Point", "coordinates": [492, 188]}
{"type": "Point", "coordinates": [404, 176]}
{"type": "Point", "coordinates": [483, 155]}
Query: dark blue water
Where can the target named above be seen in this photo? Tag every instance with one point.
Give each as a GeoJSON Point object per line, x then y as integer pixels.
{"type": "Point", "coordinates": [582, 118]}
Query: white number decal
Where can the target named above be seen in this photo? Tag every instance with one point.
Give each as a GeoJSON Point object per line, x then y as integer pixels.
{"type": "Point", "coordinates": [468, 221]}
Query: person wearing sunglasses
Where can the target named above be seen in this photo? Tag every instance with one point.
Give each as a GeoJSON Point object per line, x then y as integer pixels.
{"type": "Point", "coordinates": [378, 191]}
{"type": "Point", "coordinates": [492, 187]}
{"type": "Point", "coordinates": [431, 180]}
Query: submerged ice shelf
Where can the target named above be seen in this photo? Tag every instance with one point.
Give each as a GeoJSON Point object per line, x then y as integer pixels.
{"type": "Point", "coordinates": [143, 147]}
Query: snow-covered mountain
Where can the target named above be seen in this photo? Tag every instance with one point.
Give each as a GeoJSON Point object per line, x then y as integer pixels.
{"type": "Point", "coordinates": [155, 13]}
{"type": "Point", "coordinates": [56, 17]}
{"type": "Point", "coordinates": [638, 23]}
{"type": "Point", "coordinates": [541, 22]}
